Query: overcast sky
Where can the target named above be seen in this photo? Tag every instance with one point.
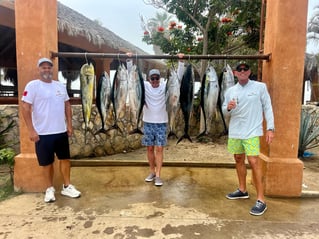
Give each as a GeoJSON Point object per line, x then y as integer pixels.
{"type": "Point", "coordinates": [123, 17]}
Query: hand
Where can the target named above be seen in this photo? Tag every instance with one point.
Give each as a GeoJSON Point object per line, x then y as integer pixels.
{"type": "Point", "coordinates": [180, 55]}
{"type": "Point", "coordinates": [269, 136]}
{"type": "Point", "coordinates": [34, 136]}
{"type": "Point", "coordinates": [231, 105]}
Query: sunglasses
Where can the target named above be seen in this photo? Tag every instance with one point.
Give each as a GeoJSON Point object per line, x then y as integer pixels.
{"type": "Point", "coordinates": [239, 69]}
{"type": "Point", "coordinates": [154, 78]}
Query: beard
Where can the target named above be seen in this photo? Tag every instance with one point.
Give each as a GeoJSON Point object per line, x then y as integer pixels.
{"type": "Point", "coordinates": [47, 76]}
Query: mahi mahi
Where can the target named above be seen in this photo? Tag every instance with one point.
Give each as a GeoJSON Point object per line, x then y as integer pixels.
{"type": "Point", "coordinates": [103, 99]}
{"type": "Point", "coordinates": [136, 93]}
{"type": "Point", "coordinates": [186, 99]}
{"type": "Point", "coordinates": [87, 78]}
{"type": "Point", "coordinates": [209, 97]}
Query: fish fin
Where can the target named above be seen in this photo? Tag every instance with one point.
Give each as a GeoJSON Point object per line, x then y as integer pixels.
{"type": "Point", "coordinates": [171, 133]}
{"type": "Point", "coordinates": [102, 130]}
{"type": "Point", "coordinates": [136, 131]}
{"type": "Point", "coordinates": [201, 134]}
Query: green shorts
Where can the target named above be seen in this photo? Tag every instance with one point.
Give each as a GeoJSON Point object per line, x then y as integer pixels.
{"type": "Point", "coordinates": [248, 146]}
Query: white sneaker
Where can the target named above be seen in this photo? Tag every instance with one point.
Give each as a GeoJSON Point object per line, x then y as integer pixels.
{"type": "Point", "coordinates": [70, 191]}
{"type": "Point", "coordinates": [49, 195]}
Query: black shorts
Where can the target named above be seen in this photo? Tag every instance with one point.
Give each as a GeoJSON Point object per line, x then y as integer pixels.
{"type": "Point", "coordinates": [48, 145]}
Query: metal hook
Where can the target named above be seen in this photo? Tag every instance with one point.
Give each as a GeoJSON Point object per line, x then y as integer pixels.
{"type": "Point", "coordinates": [86, 59]}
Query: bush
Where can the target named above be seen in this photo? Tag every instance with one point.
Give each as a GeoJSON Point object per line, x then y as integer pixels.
{"type": "Point", "coordinates": [309, 131]}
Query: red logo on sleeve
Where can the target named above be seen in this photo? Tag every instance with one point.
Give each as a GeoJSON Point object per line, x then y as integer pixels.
{"type": "Point", "coordinates": [25, 93]}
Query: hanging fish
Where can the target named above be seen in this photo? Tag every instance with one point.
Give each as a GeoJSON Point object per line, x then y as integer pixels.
{"type": "Point", "coordinates": [186, 99]}
{"type": "Point", "coordinates": [172, 100]}
{"type": "Point", "coordinates": [119, 93]}
{"type": "Point", "coordinates": [136, 93]}
{"type": "Point", "coordinates": [103, 98]}
{"type": "Point", "coordinates": [209, 97]}
{"type": "Point", "coordinates": [87, 78]}
{"type": "Point", "coordinates": [226, 80]}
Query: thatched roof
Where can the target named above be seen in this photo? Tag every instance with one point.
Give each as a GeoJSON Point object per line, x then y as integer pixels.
{"type": "Point", "coordinates": [74, 24]}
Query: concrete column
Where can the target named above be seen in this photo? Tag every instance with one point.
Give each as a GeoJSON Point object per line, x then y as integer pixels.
{"type": "Point", "coordinates": [285, 39]}
{"type": "Point", "coordinates": [36, 36]}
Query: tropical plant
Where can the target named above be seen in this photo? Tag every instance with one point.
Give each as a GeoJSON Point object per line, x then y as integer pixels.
{"type": "Point", "coordinates": [313, 26]}
{"type": "Point", "coordinates": [309, 131]}
{"type": "Point", "coordinates": [207, 27]}
{"type": "Point", "coordinates": [7, 158]}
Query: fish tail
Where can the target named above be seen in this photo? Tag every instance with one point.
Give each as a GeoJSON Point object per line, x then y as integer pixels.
{"type": "Point", "coordinates": [185, 136]}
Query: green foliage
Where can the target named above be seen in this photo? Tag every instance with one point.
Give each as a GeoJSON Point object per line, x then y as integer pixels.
{"type": "Point", "coordinates": [206, 26]}
{"type": "Point", "coordinates": [7, 156]}
{"type": "Point", "coordinates": [309, 131]}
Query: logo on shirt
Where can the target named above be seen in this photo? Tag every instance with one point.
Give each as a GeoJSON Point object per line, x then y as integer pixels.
{"type": "Point", "coordinates": [25, 93]}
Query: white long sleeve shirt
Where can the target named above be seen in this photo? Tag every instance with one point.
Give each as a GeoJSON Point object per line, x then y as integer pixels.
{"type": "Point", "coordinates": [253, 103]}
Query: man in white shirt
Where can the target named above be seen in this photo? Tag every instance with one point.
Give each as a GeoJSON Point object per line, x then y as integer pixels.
{"type": "Point", "coordinates": [47, 113]}
{"type": "Point", "coordinates": [155, 120]}
{"type": "Point", "coordinates": [246, 103]}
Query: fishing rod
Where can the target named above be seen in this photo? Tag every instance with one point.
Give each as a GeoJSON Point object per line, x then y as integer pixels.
{"type": "Point", "coordinates": [137, 56]}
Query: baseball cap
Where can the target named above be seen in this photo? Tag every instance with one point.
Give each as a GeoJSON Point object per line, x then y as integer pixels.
{"type": "Point", "coordinates": [42, 60]}
{"type": "Point", "coordinates": [242, 63]}
{"type": "Point", "coordinates": [154, 72]}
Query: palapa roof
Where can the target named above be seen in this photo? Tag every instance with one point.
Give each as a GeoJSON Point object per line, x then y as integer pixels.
{"type": "Point", "coordinates": [73, 24]}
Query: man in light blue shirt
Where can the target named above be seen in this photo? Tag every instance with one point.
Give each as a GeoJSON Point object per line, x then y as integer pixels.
{"type": "Point", "coordinates": [247, 103]}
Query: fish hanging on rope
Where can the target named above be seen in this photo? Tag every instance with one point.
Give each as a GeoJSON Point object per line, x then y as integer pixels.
{"type": "Point", "coordinates": [209, 97]}
{"type": "Point", "coordinates": [87, 78]}
{"type": "Point", "coordinates": [226, 80]}
{"type": "Point", "coordinates": [119, 94]}
{"type": "Point", "coordinates": [186, 99]}
{"type": "Point", "coordinates": [136, 93]}
{"type": "Point", "coordinates": [103, 99]}
{"type": "Point", "coordinates": [172, 100]}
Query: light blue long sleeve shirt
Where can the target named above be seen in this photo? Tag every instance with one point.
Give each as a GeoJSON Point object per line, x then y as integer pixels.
{"type": "Point", "coordinates": [253, 104]}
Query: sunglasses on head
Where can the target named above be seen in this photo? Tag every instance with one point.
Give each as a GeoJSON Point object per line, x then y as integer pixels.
{"type": "Point", "coordinates": [239, 69]}
{"type": "Point", "coordinates": [154, 78]}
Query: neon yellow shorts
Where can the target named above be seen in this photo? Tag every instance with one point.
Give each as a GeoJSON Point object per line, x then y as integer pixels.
{"type": "Point", "coordinates": [249, 146]}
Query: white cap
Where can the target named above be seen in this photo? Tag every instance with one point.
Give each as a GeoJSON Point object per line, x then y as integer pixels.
{"type": "Point", "coordinates": [154, 72]}
{"type": "Point", "coordinates": [42, 60]}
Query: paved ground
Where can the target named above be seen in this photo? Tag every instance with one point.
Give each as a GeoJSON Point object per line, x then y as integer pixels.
{"type": "Point", "coordinates": [117, 203]}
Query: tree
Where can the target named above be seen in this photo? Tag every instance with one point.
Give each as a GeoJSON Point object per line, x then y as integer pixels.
{"type": "Point", "coordinates": [313, 26]}
{"type": "Point", "coordinates": [207, 27]}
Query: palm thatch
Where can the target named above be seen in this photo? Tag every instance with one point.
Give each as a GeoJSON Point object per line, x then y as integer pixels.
{"type": "Point", "coordinates": [75, 24]}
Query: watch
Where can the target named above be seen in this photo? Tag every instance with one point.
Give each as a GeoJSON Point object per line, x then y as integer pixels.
{"type": "Point", "coordinates": [273, 130]}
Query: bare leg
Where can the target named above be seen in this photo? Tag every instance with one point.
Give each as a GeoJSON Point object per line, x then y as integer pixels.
{"type": "Point", "coordinates": [241, 171]}
{"type": "Point", "coordinates": [65, 166]}
{"type": "Point", "coordinates": [257, 176]}
{"type": "Point", "coordinates": [159, 160]}
{"type": "Point", "coordinates": [48, 175]}
{"type": "Point", "coordinates": [151, 158]}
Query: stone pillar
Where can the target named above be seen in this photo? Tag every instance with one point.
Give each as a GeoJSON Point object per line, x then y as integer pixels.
{"type": "Point", "coordinates": [285, 39]}
{"type": "Point", "coordinates": [36, 36]}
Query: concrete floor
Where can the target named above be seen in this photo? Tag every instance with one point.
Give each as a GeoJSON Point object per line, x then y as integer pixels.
{"type": "Point", "coordinates": [117, 203]}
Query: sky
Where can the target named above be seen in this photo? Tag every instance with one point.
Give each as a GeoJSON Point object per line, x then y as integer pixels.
{"type": "Point", "coordinates": [123, 17]}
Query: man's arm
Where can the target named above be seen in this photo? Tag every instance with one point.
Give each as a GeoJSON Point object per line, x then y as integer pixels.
{"type": "Point", "coordinates": [68, 116]}
{"type": "Point", "coordinates": [26, 110]}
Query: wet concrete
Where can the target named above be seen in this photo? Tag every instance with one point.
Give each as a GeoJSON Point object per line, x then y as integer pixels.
{"type": "Point", "coordinates": [117, 203]}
